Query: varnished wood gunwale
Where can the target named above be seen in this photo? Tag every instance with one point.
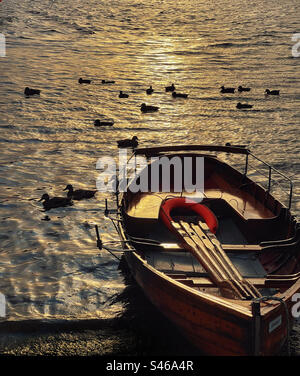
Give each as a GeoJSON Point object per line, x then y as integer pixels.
{"type": "Point", "coordinates": [177, 148]}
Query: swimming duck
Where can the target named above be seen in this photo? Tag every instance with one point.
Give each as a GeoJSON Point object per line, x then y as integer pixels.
{"type": "Point", "coordinates": [241, 88]}
{"type": "Point", "coordinates": [128, 143]}
{"type": "Point", "coordinates": [107, 82]}
{"type": "Point", "coordinates": [145, 108]}
{"type": "Point", "coordinates": [78, 194]}
{"type": "Point", "coordinates": [170, 88]}
{"type": "Point", "coordinates": [236, 146]}
{"type": "Point", "coordinates": [82, 81]}
{"type": "Point", "coordinates": [227, 90]}
{"type": "Point", "coordinates": [123, 95]}
{"type": "Point", "coordinates": [179, 95]}
{"type": "Point", "coordinates": [244, 105]}
{"type": "Point", "coordinates": [149, 90]}
{"type": "Point", "coordinates": [100, 123]}
{"type": "Point", "coordinates": [29, 91]}
{"type": "Point", "coordinates": [46, 218]}
{"type": "Point", "coordinates": [55, 202]}
{"type": "Point", "coordinates": [272, 92]}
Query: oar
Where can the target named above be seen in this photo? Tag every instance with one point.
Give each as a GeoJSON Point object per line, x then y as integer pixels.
{"type": "Point", "coordinates": [223, 262]}
{"type": "Point", "coordinates": [205, 259]}
{"type": "Point", "coordinates": [214, 260]}
{"type": "Point", "coordinates": [232, 270]}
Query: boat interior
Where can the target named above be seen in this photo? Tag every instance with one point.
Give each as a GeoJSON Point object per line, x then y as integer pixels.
{"type": "Point", "coordinates": [257, 233]}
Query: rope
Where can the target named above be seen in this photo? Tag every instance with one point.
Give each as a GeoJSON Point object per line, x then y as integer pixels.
{"type": "Point", "coordinates": [266, 298]}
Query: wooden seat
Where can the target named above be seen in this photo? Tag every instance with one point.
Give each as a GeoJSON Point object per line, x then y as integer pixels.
{"type": "Point", "coordinates": [242, 247]}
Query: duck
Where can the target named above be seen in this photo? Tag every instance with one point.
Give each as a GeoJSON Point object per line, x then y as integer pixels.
{"type": "Point", "coordinates": [145, 108]}
{"type": "Point", "coordinates": [149, 90]}
{"type": "Point", "coordinates": [46, 218]}
{"type": "Point", "coordinates": [82, 81]}
{"type": "Point", "coordinates": [107, 82]}
{"type": "Point", "coordinates": [244, 105]}
{"type": "Point", "coordinates": [55, 202]}
{"type": "Point", "coordinates": [170, 88]}
{"type": "Point", "coordinates": [102, 123]}
{"type": "Point", "coordinates": [272, 92]}
{"type": "Point", "coordinates": [235, 146]}
{"type": "Point", "coordinates": [241, 88]}
{"type": "Point", "coordinates": [78, 194]}
{"type": "Point", "coordinates": [123, 95]}
{"type": "Point", "coordinates": [128, 143]}
{"type": "Point", "coordinates": [179, 95]}
{"type": "Point", "coordinates": [29, 91]}
{"type": "Point", "coordinates": [227, 90]}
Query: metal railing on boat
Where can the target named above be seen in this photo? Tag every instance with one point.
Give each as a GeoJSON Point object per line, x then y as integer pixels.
{"type": "Point", "coordinates": [271, 171]}
{"type": "Point", "coordinates": [229, 149]}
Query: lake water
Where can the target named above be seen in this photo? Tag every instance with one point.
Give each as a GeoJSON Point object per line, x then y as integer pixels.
{"type": "Point", "coordinates": [51, 271]}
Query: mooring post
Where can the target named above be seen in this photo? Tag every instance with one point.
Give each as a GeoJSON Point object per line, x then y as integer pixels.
{"type": "Point", "coordinates": [256, 326]}
{"type": "Point", "coordinates": [246, 164]}
{"type": "Point", "coordinates": [106, 211]}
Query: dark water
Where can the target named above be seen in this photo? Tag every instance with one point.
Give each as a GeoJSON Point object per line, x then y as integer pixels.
{"type": "Point", "coordinates": [51, 271]}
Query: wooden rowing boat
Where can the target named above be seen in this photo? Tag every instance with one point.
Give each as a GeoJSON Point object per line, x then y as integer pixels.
{"type": "Point", "coordinates": [230, 289]}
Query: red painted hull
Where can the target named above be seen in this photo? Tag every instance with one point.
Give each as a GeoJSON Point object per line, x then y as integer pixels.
{"type": "Point", "coordinates": [214, 328]}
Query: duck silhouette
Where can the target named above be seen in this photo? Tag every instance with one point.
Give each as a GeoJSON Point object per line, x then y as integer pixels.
{"type": "Point", "coordinates": [78, 194]}
{"type": "Point", "coordinates": [123, 95]}
{"type": "Point", "coordinates": [55, 202]}
{"type": "Point", "coordinates": [241, 88]}
{"type": "Point", "coordinates": [244, 105]}
{"type": "Point", "coordinates": [103, 123]}
{"type": "Point", "coordinates": [29, 91]}
{"type": "Point", "coordinates": [128, 143]}
{"type": "Point", "coordinates": [236, 146]}
{"type": "Point", "coordinates": [272, 92]}
{"type": "Point", "coordinates": [149, 90]}
{"type": "Point", "coordinates": [46, 218]}
{"type": "Point", "coordinates": [145, 108]}
{"type": "Point", "coordinates": [227, 89]}
{"type": "Point", "coordinates": [82, 81]}
{"type": "Point", "coordinates": [107, 82]}
{"type": "Point", "coordinates": [170, 88]}
{"type": "Point", "coordinates": [179, 95]}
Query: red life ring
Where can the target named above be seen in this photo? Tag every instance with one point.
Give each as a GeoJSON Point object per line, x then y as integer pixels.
{"type": "Point", "coordinates": [173, 203]}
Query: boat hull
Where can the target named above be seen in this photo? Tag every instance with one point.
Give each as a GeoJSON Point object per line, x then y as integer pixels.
{"type": "Point", "coordinates": [253, 320]}
{"type": "Point", "coordinates": [214, 328]}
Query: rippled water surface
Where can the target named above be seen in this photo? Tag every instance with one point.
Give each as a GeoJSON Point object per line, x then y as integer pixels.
{"type": "Point", "coordinates": [52, 269]}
